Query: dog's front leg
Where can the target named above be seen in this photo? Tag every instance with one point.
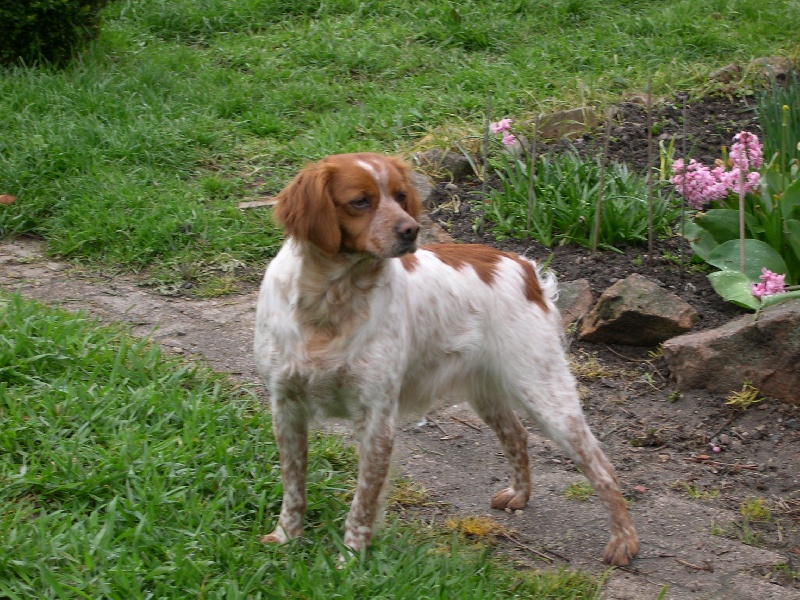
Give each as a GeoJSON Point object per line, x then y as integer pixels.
{"type": "Point", "coordinates": [377, 432]}
{"type": "Point", "coordinates": [291, 433]}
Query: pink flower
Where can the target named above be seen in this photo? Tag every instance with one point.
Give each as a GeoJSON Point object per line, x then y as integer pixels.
{"type": "Point", "coordinates": [695, 182]}
{"type": "Point", "coordinates": [509, 139]}
{"type": "Point", "coordinates": [500, 126]}
{"type": "Point", "coordinates": [771, 283]}
{"type": "Point", "coordinates": [747, 152]}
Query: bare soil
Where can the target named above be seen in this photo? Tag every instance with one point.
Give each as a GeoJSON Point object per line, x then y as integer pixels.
{"type": "Point", "coordinates": [685, 499]}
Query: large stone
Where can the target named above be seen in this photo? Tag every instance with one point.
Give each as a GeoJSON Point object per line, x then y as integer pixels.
{"type": "Point", "coordinates": [430, 232]}
{"type": "Point", "coordinates": [637, 312]}
{"type": "Point", "coordinates": [567, 123]}
{"type": "Point", "coordinates": [574, 300]}
{"type": "Point", "coordinates": [454, 164]}
{"type": "Point", "coordinates": [763, 352]}
{"type": "Point", "coordinates": [424, 188]}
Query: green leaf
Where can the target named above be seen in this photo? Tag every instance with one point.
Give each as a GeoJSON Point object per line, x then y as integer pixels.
{"type": "Point", "coordinates": [721, 223]}
{"type": "Point", "coordinates": [734, 287]}
{"type": "Point", "coordinates": [778, 298]}
{"type": "Point", "coordinates": [790, 201]}
{"type": "Point", "coordinates": [757, 255]}
{"type": "Point", "coordinates": [701, 241]}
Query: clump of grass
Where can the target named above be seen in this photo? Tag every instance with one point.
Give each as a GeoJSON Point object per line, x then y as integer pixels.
{"type": "Point", "coordinates": [744, 398]}
{"type": "Point", "coordinates": [587, 366]}
{"type": "Point", "coordinates": [408, 494]}
{"type": "Point", "coordinates": [755, 509]}
{"type": "Point", "coordinates": [696, 492]}
{"type": "Point", "coordinates": [580, 491]}
{"type": "Point", "coordinates": [477, 526]}
{"type": "Point", "coordinates": [565, 189]}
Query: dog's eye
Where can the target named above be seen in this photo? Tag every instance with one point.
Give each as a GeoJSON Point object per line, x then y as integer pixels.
{"type": "Point", "coordinates": [401, 197]}
{"type": "Point", "coordinates": [362, 202]}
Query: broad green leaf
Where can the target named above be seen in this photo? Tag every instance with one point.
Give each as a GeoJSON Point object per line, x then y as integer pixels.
{"type": "Point", "coordinates": [734, 287]}
{"type": "Point", "coordinates": [778, 298]}
{"type": "Point", "coordinates": [723, 223]}
{"type": "Point", "coordinates": [757, 255]}
{"type": "Point", "coordinates": [701, 241]}
{"type": "Point", "coordinates": [792, 227]}
{"type": "Point", "coordinates": [790, 201]}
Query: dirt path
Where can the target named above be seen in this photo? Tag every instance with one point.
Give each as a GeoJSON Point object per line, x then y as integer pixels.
{"type": "Point", "coordinates": [459, 462]}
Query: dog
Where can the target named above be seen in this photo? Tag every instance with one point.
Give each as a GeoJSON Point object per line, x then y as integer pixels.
{"type": "Point", "coordinates": [353, 320]}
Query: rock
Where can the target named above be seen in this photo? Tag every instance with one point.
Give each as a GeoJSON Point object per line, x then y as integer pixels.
{"type": "Point", "coordinates": [453, 163]}
{"type": "Point", "coordinates": [771, 66]}
{"type": "Point", "coordinates": [574, 300]}
{"type": "Point", "coordinates": [637, 312]}
{"type": "Point", "coordinates": [726, 74]}
{"type": "Point", "coordinates": [765, 353]}
{"type": "Point", "coordinates": [567, 123]}
{"type": "Point", "coordinates": [423, 187]}
{"type": "Point", "coordinates": [431, 232]}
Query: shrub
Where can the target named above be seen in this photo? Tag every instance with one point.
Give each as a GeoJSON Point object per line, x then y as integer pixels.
{"type": "Point", "coordinates": [47, 30]}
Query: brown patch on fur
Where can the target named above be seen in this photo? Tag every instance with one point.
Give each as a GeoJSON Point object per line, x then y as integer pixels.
{"type": "Point", "coordinates": [484, 260]}
{"type": "Point", "coordinates": [410, 262]}
{"type": "Point", "coordinates": [533, 289]}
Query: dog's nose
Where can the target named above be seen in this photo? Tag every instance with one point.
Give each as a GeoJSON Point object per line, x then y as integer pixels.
{"type": "Point", "coordinates": [407, 230]}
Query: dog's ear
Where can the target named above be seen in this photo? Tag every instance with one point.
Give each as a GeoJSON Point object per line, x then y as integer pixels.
{"type": "Point", "coordinates": [306, 210]}
{"type": "Point", "coordinates": [413, 203]}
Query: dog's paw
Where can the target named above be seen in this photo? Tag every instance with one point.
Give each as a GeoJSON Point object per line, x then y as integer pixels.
{"type": "Point", "coordinates": [509, 498]}
{"type": "Point", "coordinates": [621, 549]}
{"type": "Point", "coordinates": [279, 536]}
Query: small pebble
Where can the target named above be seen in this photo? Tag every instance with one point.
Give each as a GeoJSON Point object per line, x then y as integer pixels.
{"type": "Point", "coordinates": [724, 439]}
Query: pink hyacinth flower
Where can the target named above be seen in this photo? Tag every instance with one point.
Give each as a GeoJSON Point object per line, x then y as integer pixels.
{"type": "Point", "coordinates": [747, 152]}
{"type": "Point", "coordinates": [509, 139]}
{"type": "Point", "coordinates": [695, 182]}
{"type": "Point", "coordinates": [500, 126]}
{"type": "Point", "coordinates": [771, 284]}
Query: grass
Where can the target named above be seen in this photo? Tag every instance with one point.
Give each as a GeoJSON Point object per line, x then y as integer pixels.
{"type": "Point", "coordinates": [137, 154]}
{"type": "Point", "coordinates": [580, 491]}
{"type": "Point", "coordinates": [125, 473]}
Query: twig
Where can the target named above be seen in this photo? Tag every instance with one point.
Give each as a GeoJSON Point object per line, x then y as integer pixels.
{"type": "Point", "coordinates": [485, 163]}
{"type": "Point", "coordinates": [532, 176]}
{"type": "Point", "coordinates": [467, 423]}
{"type": "Point", "coordinates": [528, 548]}
{"type": "Point", "coordinates": [683, 191]}
{"type": "Point", "coordinates": [643, 360]}
{"type": "Point", "coordinates": [708, 567]}
{"type": "Point", "coordinates": [717, 463]}
{"type": "Point", "coordinates": [732, 418]}
{"type": "Point", "coordinates": [596, 226]}
{"type": "Point", "coordinates": [649, 173]}
{"type": "Point", "coordinates": [435, 422]}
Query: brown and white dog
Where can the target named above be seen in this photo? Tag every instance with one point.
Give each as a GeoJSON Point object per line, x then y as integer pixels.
{"type": "Point", "coordinates": [354, 321]}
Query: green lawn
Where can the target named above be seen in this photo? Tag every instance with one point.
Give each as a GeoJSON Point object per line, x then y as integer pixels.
{"type": "Point", "coordinates": [137, 154]}
{"type": "Point", "coordinates": [127, 474]}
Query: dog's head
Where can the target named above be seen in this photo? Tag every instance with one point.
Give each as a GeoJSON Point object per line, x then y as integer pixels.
{"type": "Point", "coordinates": [351, 203]}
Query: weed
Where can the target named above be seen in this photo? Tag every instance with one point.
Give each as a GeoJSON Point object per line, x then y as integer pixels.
{"type": "Point", "coordinates": [695, 492]}
{"type": "Point", "coordinates": [587, 366]}
{"type": "Point", "coordinates": [745, 398]}
{"type": "Point", "coordinates": [408, 494]}
{"type": "Point", "coordinates": [581, 491]}
{"type": "Point", "coordinates": [475, 526]}
{"type": "Point", "coordinates": [755, 509]}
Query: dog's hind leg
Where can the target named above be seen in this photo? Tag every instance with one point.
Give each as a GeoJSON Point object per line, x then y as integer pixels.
{"type": "Point", "coordinates": [556, 409]}
{"type": "Point", "coordinates": [514, 440]}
